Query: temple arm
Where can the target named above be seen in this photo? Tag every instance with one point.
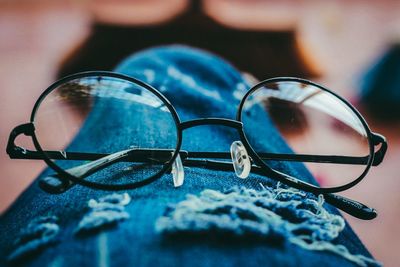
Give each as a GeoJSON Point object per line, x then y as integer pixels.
{"type": "Point", "coordinates": [142, 154]}
{"type": "Point", "coordinates": [15, 151]}
{"type": "Point", "coordinates": [149, 155]}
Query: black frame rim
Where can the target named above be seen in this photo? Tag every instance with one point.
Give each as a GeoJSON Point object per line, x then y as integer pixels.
{"type": "Point", "coordinates": [287, 179]}
{"type": "Point", "coordinates": [85, 182]}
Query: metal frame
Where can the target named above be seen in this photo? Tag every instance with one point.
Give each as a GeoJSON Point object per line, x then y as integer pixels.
{"type": "Point", "coordinates": [201, 159]}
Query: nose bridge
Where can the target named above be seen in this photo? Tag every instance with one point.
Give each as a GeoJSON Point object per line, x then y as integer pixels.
{"type": "Point", "coordinates": [211, 121]}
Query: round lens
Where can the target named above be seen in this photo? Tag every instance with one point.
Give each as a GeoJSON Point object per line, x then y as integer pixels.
{"type": "Point", "coordinates": [106, 129]}
{"type": "Point", "coordinates": [318, 129]}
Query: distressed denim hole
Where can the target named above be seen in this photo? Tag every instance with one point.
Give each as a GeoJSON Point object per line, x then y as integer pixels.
{"type": "Point", "coordinates": [277, 214]}
{"type": "Point", "coordinates": [38, 234]}
{"type": "Point", "coordinates": [104, 212]}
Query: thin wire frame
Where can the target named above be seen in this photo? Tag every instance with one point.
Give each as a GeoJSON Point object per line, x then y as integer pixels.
{"type": "Point", "coordinates": [297, 183]}
{"type": "Point", "coordinates": [355, 208]}
{"type": "Point", "coordinates": [99, 185]}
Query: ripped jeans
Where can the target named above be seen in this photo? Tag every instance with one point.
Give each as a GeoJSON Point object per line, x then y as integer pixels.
{"type": "Point", "coordinates": [224, 221]}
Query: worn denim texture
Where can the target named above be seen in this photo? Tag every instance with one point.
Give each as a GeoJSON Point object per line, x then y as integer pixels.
{"type": "Point", "coordinates": [198, 85]}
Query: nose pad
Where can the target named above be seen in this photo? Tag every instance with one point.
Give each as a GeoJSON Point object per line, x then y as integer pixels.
{"type": "Point", "coordinates": [240, 159]}
{"type": "Point", "coordinates": [178, 173]}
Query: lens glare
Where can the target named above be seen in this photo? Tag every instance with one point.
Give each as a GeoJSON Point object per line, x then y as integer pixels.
{"type": "Point", "coordinates": [311, 121]}
{"type": "Point", "coordinates": [110, 129]}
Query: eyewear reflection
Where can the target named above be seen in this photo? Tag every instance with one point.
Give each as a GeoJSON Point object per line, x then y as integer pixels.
{"type": "Point", "coordinates": [319, 129]}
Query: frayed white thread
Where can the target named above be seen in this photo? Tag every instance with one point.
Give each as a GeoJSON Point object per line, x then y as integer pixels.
{"type": "Point", "coordinates": [280, 213]}
{"type": "Point", "coordinates": [190, 82]}
{"type": "Point", "coordinates": [106, 211]}
{"type": "Point", "coordinates": [150, 75]}
{"type": "Point", "coordinates": [38, 234]}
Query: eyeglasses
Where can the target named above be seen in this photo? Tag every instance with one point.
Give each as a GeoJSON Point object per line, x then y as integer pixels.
{"type": "Point", "coordinates": [109, 131]}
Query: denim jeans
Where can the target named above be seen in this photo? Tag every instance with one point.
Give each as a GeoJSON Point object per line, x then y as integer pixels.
{"type": "Point", "coordinates": [199, 85]}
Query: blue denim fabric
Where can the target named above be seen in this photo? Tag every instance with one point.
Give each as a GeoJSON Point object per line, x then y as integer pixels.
{"type": "Point", "coordinates": [199, 85]}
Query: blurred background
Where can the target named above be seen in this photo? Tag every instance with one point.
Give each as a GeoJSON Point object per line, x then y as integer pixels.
{"type": "Point", "coordinates": [352, 47]}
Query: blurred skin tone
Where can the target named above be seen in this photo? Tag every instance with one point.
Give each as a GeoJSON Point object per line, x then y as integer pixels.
{"type": "Point", "coordinates": [336, 33]}
{"type": "Point", "coordinates": [281, 15]}
{"type": "Point", "coordinates": [31, 48]}
{"type": "Point", "coordinates": [139, 12]}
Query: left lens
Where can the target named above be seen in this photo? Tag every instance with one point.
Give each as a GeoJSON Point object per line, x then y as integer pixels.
{"type": "Point", "coordinates": [318, 128]}
{"type": "Point", "coordinates": [109, 128]}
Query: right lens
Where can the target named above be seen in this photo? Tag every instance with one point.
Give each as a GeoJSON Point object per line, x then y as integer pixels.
{"type": "Point", "coordinates": [106, 127]}
{"type": "Point", "coordinates": [321, 130]}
